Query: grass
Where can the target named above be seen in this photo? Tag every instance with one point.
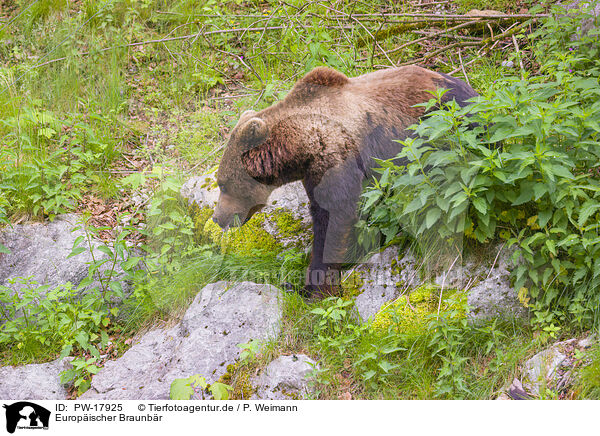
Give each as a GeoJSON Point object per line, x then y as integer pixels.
{"type": "Point", "coordinates": [588, 385]}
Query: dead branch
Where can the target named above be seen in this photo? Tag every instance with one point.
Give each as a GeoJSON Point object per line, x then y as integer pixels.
{"type": "Point", "coordinates": [441, 32]}
{"type": "Point", "coordinates": [481, 43]}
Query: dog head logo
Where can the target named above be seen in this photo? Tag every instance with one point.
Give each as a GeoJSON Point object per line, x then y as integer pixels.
{"type": "Point", "coordinates": [26, 415]}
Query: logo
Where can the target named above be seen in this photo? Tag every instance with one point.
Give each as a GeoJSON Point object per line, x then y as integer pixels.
{"type": "Point", "coordinates": [26, 415]}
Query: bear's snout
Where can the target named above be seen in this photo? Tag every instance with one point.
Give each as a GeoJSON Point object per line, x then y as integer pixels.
{"type": "Point", "coordinates": [222, 221]}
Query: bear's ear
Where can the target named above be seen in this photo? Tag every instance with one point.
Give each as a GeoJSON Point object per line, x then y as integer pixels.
{"type": "Point", "coordinates": [254, 132]}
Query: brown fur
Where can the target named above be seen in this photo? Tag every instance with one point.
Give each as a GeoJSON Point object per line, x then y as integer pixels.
{"type": "Point", "coordinates": [326, 133]}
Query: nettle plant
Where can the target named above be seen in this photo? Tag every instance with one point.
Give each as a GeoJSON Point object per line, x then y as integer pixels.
{"type": "Point", "coordinates": [75, 320]}
{"type": "Point", "coordinates": [520, 164]}
{"type": "Point", "coordinates": [48, 163]}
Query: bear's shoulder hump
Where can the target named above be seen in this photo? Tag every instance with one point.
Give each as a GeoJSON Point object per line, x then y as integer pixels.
{"type": "Point", "coordinates": [324, 76]}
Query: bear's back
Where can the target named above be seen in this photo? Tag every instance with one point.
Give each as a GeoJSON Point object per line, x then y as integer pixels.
{"type": "Point", "coordinates": [390, 93]}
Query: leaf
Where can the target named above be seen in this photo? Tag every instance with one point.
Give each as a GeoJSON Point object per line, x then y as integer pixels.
{"type": "Point", "coordinates": [587, 210]}
{"type": "Point", "coordinates": [117, 287]}
{"type": "Point", "coordinates": [543, 217]}
{"type": "Point", "coordinates": [181, 389]}
{"type": "Point", "coordinates": [220, 391]}
{"type": "Point", "coordinates": [481, 205]}
{"type": "Point", "coordinates": [197, 381]}
{"type": "Point", "coordinates": [369, 374]}
{"type": "Point", "coordinates": [76, 251]}
{"type": "Point", "coordinates": [539, 189]}
{"type": "Point", "coordinates": [433, 214]}
{"type": "Point", "coordinates": [104, 249]}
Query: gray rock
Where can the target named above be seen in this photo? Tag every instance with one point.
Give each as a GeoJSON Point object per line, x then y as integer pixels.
{"type": "Point", "coordinates": [488, 283]}
{"type": "Point", "coordinates": [34, 381]}
{"type": "Point", "coordinates": [285, 378]}
{"type": "Point", "coordinates": [41, 250]}
{"type": "Point", "coordinates": [587, 342]}
{"type": "Point", "coordinates": [201, 190]}
{"type": "Point", "coordinates": [204, 342]}
{"type": "Point", "coordinates": [542, 369]}
{"type": "Point", "coordinates": [517, 392]}
{"type": "Point", "coordinates": [384, 278]}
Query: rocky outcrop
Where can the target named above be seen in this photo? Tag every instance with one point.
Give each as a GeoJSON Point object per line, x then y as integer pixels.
{"type": "Point", "coordinates": [285, 378]}
{"type": "Point", "coordinates": [487, 281]}
{"type": "Point", "coordinates": [390, 275]}
{"type": "Point", "coordinates": [551, 373]}
{"type": "Point", "coordinates": [34, 381]}
{"type": "Point", "coordinates": [41, 251]}
{"type": "Point", "coordinates": [222, 316]}
{"type": "Point", "coordinates": [383, 278]}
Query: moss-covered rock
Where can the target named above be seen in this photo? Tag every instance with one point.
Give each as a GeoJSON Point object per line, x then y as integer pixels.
{"type": "Point", "coordinates": [410, 313]}
{"type": "Point", "coordinates": [282, 224]}
{"type": "Point", "coordinates": [353, 284]}
{"type": "Point", "coordinates": [246, 240]}
{"type": "Point", "coordinates": [238, 376]}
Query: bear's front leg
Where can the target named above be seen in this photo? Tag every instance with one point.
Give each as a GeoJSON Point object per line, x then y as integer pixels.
{"type": "Point", "coordinates": [323, 279]}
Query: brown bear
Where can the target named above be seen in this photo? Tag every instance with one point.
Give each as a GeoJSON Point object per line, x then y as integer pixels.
{"type": "Point", "coordinates": [326, 132]}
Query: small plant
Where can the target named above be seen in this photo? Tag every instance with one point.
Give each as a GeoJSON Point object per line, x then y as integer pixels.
{"type": "Point", "coordinates": [196, 386]}
{"type": "Point", "coordinates": [374, 366]}
{"type": "Point", "coordinates": [249, 350]}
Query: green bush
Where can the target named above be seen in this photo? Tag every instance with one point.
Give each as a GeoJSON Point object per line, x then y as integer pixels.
{"type": "Point", "coordinates": [520, 164]}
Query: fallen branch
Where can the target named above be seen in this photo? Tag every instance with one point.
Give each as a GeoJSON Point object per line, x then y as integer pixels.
{"type": "Point", "coordinates": [441, 32]}
{"type": "Point", "coordinates": [163, 40]}
{"type": "Point", "coordinates": [481, 43]}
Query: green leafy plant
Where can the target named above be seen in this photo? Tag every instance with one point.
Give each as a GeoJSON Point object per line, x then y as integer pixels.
{"type": "Point", "coordinates": [520, 164]}
{"type": "Point", "coordinates": [375, 366]}
{"type": "Point", "coordinates": [196, 385]}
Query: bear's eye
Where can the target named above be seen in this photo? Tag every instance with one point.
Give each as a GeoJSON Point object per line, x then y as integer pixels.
{"type": "Point", "coordinates": [222, 188]}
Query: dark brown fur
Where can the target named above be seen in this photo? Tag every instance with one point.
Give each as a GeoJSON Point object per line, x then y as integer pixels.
{"type": "Point", "coordinates": [326, 132]}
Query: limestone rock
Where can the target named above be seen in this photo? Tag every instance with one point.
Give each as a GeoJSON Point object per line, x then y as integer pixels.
{"type": "Point", "coordinates": [542, 369]}
{"type": "Point", "coordinates": [204, 342]}
{"type": "Point", "coordinates": [41, 250]}
{"type": "Point", "coordinates": [34, 381]}
{"type": "Point", "coordinates": [384, 277]}
{"type": "Point", "coordinates": [488, 285]}
{"type": "Point", "coordinates": [285, 378]}
{"type": "Point", "coordinates": [587, 342]}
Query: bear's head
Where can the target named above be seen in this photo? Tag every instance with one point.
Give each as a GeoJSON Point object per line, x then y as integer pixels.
{"type": "Point", "coordinates": [240, 195]}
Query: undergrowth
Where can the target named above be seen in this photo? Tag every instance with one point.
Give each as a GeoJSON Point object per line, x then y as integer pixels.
{"type": "Point", "coordinates": [519, 165]}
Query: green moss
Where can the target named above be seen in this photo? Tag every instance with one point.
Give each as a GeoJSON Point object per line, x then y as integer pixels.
{"type": "Point", "coordinates": [246, 240]}
{"type": "Point", "coordinates": [353, 285]}
{"type": "Point", "coordinates": [287, 225]}
{"type": "Point", "coordinates": [239, 378]}
{"type": "Point", "coordinates": [410, 313]}
{"type": "Point", "coordinates": [200, 216]}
